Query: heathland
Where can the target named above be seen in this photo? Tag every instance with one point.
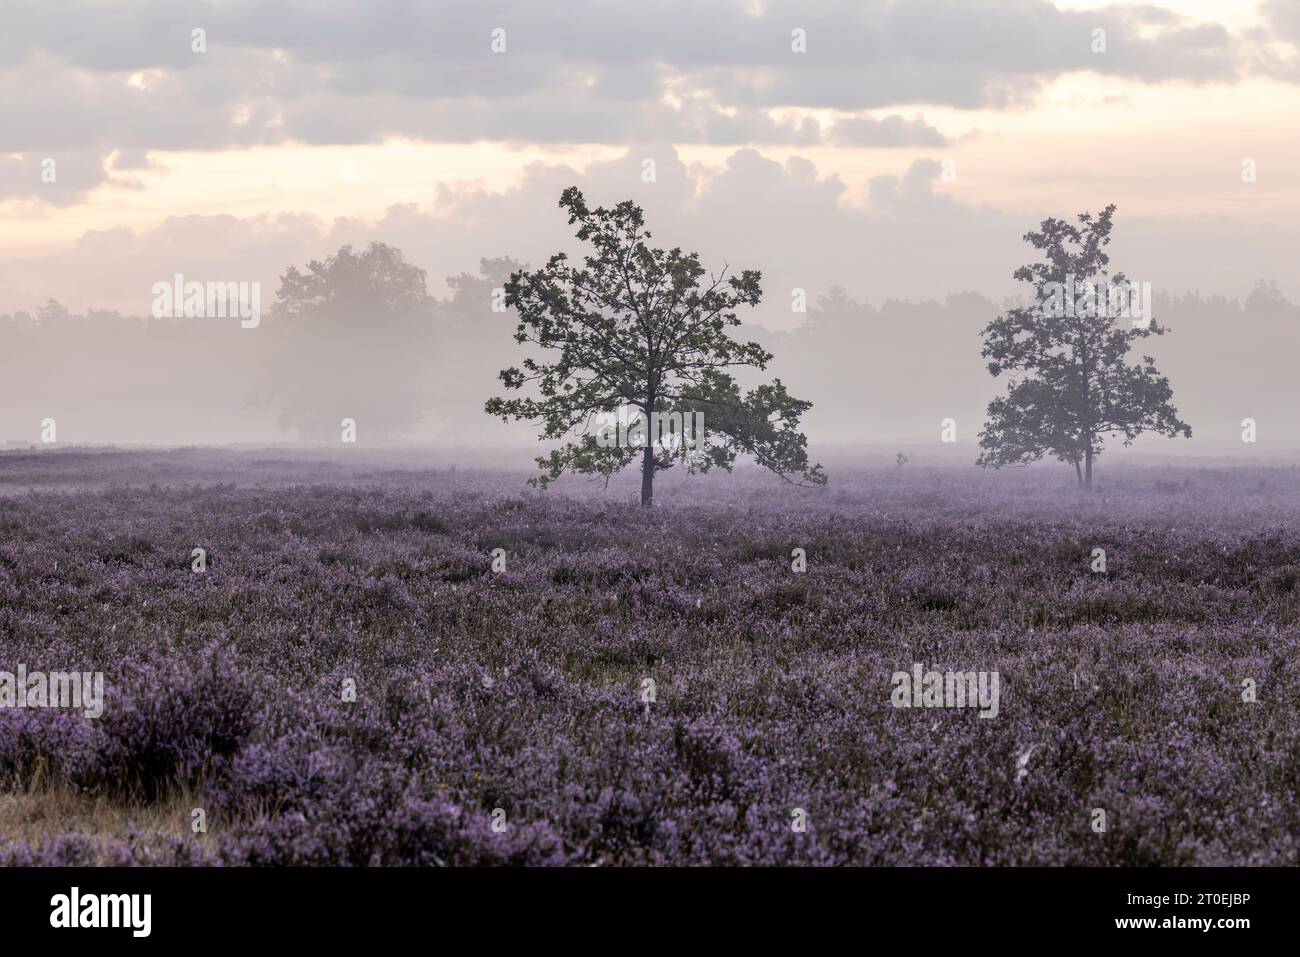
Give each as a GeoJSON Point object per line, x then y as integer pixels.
{"type": "Point", "coordinates": [347, 676]}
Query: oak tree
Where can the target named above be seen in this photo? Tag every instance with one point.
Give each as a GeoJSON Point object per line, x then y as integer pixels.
{"type": "Point", "coordinates": [1066, 355]}
{"type": "Point", "coordinates": [643, 330]}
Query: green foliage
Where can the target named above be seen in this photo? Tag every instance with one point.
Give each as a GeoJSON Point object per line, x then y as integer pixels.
{"type": "Point", "coordinates": [646, 329]}
{"type": "Point", "coordinates": [1071, 385]}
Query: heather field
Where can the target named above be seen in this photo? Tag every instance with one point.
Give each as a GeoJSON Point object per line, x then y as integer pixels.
{"type": "Point", "coordinates": [499, 715]}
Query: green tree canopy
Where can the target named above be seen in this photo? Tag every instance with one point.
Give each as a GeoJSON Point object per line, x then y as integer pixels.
{"type": "Point", "coordinates": [643, 329]}
{"type": "Point", "coordinates": [1066, 356]}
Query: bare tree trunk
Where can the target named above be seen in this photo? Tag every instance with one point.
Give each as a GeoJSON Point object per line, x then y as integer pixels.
{"type": "Point", "coordinates": [648, 453]}
{"type": "Point", "coordinates": [1087, 469]}
{"type": "Point", "coordinates": [1078, 472]}
{"type": "Point", "coordinates": [647, 475]}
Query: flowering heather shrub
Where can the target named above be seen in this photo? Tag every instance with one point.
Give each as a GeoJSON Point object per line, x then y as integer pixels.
{"type": "Point", "coordinates": [520, 690]}
{"type": "Point", "coordinates": [41, 746]}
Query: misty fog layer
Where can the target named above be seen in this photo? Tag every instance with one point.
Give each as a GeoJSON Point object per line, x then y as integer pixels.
{"type": "Point", "coordinates": [876, 375]}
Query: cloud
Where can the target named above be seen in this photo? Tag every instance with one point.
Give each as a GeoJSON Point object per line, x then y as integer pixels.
{"type": "Point", "coordinates": [132, 160]}
{"type": "Point", "coordinates": [891, 131]}
{"type": "Point", "coordinates": [900, 238]}
{"type": "Point", "coordinates": [58, 178]}
{"type": "Point", "coordinates": [1283, 16]}
{"type": "Point", "coordinates": [97, 76]}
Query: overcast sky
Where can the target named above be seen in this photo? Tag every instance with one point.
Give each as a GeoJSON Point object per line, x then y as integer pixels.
{"type": "Point", "coordinates": [898, 149]}
{"type": "Point", "coordinates": [903, 155]}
